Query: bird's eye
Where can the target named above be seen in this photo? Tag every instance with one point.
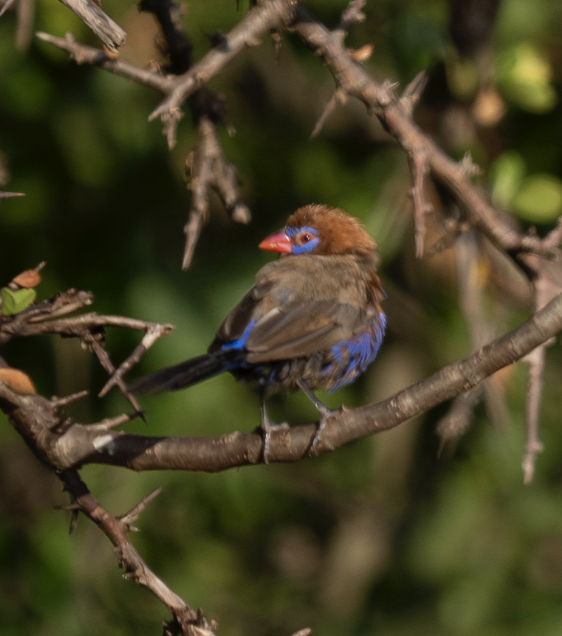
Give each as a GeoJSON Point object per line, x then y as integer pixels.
{"type": "Point", "coordinates": [305, 240]}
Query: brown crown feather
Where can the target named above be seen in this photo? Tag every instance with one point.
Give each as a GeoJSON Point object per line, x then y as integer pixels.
{"type": "Point", "coordinates": [339, 232]}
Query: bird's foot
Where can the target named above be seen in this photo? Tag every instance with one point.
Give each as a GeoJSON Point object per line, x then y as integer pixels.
{"type": "Point", "coordinates": [268, 427]}
{"type": "Point", "coordinates": [325, 414]}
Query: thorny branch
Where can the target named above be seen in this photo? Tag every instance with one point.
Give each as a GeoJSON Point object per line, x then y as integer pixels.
{"type": "Point", "coordinates": [185, 620]}
{"type": "Point", "coordinates": [351, 77]}
{"type": "Point", "coordinates": [83, 54]}
{"type": "Point", "coordinates": [64, 444]}
{"type": "Point", "coordinates": [45, 318]}
{"type": "Point", "coordinates": [380, 98]}
{"type": "Point", "coordinates": [108, 31]}
{"type": "Point", "coordinates": [206, 167]}
{"type": "Point", "coordinates": [393, 112]}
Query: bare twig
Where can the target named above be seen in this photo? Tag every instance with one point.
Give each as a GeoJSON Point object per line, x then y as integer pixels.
{"type": "Point", "coordinates": [10, 195]}
{"type": "Point", "coordinates": [89, 328]}
{"type": "Point", "coordinates": [83, 54]}
{"type": "Point", "coordinates": [419, 167]}
{"type": "Point", "coordinates": [547, 284]}
{"type": "Point", "coordinates": [208, 168]}
{"type": "Point", "coordinates": [457, 422]}
{"type": "Point", "coordinates": [354, 80]}
{"type": "Point", "coordinates": [259, 20]}
{"type": "Point", "coordinates": [26, 14]}
{"type": "Point", "coordinates": [135, 512]}
{"type": "Point", "coordinates": [112, 422]}
{"type": "Point", "coordinates": [352, 15]}
{"type": "Point", "coordinates": [153, 332]}
{"type": "Point", "coordinates": [412, 93]}
{"type": "Point", "coordinates": [59, 403]}
{"type": "Point", "coordinates": [117, 530]}
{"type": "Point", "coordinates": [533, 445]}
{"type": "Point", "coordinates": [63, 303]}
{"type": "Point", "coordinates": [339, 96]}
{"type": "Point", "coordinates": [470, 285]}
{"type": "Point", "coordinates": [108, 31]}
{"type": "Point", "coordinates": [93, 342]}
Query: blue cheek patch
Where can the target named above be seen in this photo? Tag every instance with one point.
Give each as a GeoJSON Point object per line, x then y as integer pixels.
{"type": "Point", "coordinates": [307, 247]}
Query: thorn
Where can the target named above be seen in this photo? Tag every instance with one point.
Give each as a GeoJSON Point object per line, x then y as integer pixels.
{"type": "Point", "coordinates": [6, 6]}
{"type": "Point", "coordinates": [110, 423]}
{"type": "Point", "coordinates": [338, 97]}
{"type": "Point", "coordinates": [136, 511]}
{"type": "Point", "coordinates": [387, 92]}
{"type": "Point", "coordinates": [413, 91]}
{"type": "Point", "coordinates": [59, 402]}
{"type": "Point", "coordinates": [468, 167]}
{"type": "Point", "coordinates": [10, 195]}
{"type": "Point", "coordinates": [241, 214]}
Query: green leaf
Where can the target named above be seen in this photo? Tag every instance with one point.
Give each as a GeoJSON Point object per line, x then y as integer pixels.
{"type": "Point", "coordinates": [506, 175]}
{"type": "Point", "coordinates": [539, 199]}
{"type": "Point", "coordinates": [524, 76]}
{"type": "Point", "coordinates": [13, 302]}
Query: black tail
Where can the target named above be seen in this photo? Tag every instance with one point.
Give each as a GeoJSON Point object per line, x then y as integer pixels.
{"type": "Point", "coordinates": [187, 373]}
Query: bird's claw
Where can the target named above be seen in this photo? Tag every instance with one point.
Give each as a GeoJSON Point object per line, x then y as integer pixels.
{"type": "Point", "coordinates": [325, 414]}
{"type": "Point", "coordinates": [318, 435]}
{"type": "Point", "coordinates": [267, 428]}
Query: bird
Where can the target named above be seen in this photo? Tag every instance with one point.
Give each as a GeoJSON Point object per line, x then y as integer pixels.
{"type": "Point", "coordinates": [312, 320]}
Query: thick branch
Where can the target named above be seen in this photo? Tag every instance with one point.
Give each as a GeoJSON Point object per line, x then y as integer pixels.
{"type": "Point", "coordinates": [68, 445]}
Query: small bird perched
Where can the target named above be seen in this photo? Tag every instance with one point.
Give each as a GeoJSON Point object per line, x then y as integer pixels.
{"type": "Point", "coordinates": [312, 320]}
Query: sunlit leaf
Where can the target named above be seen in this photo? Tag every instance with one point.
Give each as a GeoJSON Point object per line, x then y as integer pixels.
{"type": "Point", "coordinates": [524, 76]}
{"type": "Point", "coordinates": [13, 302]}
{"type": "Point", "coordinates": [540, 199]}
{"type": "Point", "coordinates": [506, 176]}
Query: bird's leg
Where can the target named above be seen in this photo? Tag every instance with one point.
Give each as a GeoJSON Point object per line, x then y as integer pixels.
{"type": "Point", "coordinates": [323, 410]}
{"type": "Point", "coordinates": [267, 426]}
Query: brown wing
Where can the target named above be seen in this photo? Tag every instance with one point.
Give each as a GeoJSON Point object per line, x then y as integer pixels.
{"type": "Point", "coordinates": [297, 311]}
{"type": "Point", "coordinates": [300, 331]}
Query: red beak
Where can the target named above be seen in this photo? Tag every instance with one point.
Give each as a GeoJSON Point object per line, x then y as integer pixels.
{"type": "Point", "coordinates": [278, 242]}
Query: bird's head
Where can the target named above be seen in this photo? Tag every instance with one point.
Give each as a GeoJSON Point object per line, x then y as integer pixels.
{"type": "Point", "coordinates": [319, 229]}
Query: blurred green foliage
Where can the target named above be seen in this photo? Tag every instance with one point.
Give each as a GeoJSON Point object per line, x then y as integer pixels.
{"type": "Point", "coordinates": [380, 537]}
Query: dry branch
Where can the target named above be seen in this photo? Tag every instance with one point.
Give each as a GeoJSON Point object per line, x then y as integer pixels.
{"type": "Point", "coordinates": [44, 318]}
{"type": "Point", "coordinates": [258, 21]}
{"type": "Point", "coordinates": [382, 101]}
{"type": "Point", "coordinates": [184, 618]}
{"type": "Point", "coordinates": [64, 444]}
{"type": "Point", "coordinates": [206, 169]}
{"type": "Point", "coordinates": [108, 31]}
{"type": "Point", "coordinates": [83, 54]}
